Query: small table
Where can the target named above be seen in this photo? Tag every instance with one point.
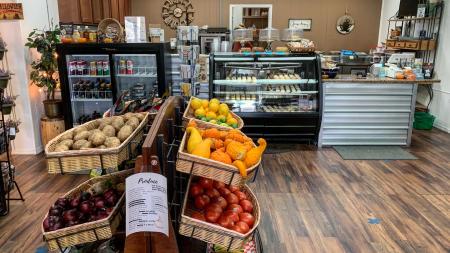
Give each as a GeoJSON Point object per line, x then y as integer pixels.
{"type": "Point", "coordinates": [50, 128]}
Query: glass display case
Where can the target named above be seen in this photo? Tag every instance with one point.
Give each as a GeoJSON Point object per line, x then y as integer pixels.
{"type": "Point", "coordinates": [264, 86]}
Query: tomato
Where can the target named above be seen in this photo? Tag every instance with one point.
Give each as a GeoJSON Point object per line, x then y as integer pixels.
{"type": "Point", "coordinates": [218, 184]}
{"type": "Point", "coordinates": [246, 205]}
{"type": "Point", "coordinates": [214, 207]}
{"type": "Point", "coordinates": [244, 227]}
{"type": "Point", "coordinates": [233, 215]}
{"type": "Point", "coordinates": [232, 199]}
{"type": "Point", "coordinates": [212, 193]}
{"type": "Point", "coordinates": [201, 201]}
{"type": "Point", "coordinates": [195, 190]}
{"type": "Point", "coordinates": [235, 208]}
{"type": "Point", "coordinates": [224, 191]}
{"type": "Point", "coordinates": [198, 216]}
{"type": "Point", "coordinates": [206, 183]}
{"type": "Point", "coordinates": [247, 218]}
{"type": "Point", "coordinates": [240, 195]}
{"type": "Point", "coordinates": [221, 201]}
{"type": "Point", "coordinates": [225, 221]}
{"type": "Point", "coordinates": [233, 188]}
{"type": "Point", "coordinates": [212, 216]}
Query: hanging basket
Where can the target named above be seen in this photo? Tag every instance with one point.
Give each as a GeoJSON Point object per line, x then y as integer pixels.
{"type": "Point", "coordinates": [6, 109]}
{"type": "Point", "coordinates": [4, 80]}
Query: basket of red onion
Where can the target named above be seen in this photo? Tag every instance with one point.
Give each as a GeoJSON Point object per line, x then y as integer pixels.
{"type": "Point", "coordinates": [88, 213]}
{"type": "Point", "coordinates": [219, 214]}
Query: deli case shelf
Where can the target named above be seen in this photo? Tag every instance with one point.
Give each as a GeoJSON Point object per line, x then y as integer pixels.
{"type": "Point", "coordinates": [279, 95]}
{"type": "Point", "coordinates": [94, 76]}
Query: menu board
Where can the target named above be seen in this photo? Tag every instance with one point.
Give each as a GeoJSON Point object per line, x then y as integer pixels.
{"type": "Point", "coordinates": [146, 204]}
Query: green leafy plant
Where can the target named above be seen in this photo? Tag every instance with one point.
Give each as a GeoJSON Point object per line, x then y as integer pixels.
{"type": "Point", "coordinates": [45, 69]}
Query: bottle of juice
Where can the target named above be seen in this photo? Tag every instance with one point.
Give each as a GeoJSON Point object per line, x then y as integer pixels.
{"type": "Point", "coordinates": [76, 34]}
{"type": "Point", "coordinates": [86, 33]}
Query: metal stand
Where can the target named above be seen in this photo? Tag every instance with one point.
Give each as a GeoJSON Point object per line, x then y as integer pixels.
{"type": "Point", "coordinates": [177, 182]}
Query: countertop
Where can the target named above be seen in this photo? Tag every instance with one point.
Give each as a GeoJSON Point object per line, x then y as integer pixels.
{"type": "Point", "coordinates": [387, 80]}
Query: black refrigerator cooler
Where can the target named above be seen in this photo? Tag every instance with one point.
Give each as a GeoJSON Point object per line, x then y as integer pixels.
{"type": "Point", "coordinates": [94, 76]}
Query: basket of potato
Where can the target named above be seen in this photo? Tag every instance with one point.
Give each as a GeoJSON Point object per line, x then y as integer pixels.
{"type": "Point", "coordinates": [102, 143]}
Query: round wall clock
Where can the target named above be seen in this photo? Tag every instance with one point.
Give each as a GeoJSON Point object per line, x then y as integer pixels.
{"type": "Point", "coordinates": [345, 24]}
{"type": "Point", "coordinates": [177, 12]}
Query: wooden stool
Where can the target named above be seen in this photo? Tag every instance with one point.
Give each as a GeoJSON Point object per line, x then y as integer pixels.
{"type": "Point", "coordinates": [50, 128]}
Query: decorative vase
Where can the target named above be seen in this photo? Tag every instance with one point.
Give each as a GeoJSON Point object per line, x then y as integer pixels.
{"type": "Point", "coordinates": [53, 108]}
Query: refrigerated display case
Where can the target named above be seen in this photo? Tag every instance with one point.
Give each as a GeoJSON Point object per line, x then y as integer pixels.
{"type": "Point", "coordinates": [277, 94]}
{"type": "Point", "coordinates": [95, 76]}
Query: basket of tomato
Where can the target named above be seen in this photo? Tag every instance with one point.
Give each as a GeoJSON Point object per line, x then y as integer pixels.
{"type": "Point", "coordinates": [219, 214]}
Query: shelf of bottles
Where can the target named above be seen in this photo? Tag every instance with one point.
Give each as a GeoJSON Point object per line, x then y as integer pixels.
{"type": "Point", "coordinates": [91, 90]}
{"type": "Point", "coordinates": [137, 74]}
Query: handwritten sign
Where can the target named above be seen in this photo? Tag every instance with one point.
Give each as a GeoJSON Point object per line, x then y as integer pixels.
{"type": "Point", "coordinates": [11, 11]}
{"type": "Point", "coordinates": [146, 204]}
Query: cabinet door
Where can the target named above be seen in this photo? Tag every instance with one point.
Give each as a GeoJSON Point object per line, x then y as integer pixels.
{"type": "Point", "coordinates": [115, 9]}
{"type": "Point", "coordinates": [69, 11]}
{"type": "Point", "coordinates": [122, 11]}
{"type": "Point", "coordinates": [106, 4]}
{"type": "Point", "coordinates": [86, 11]}
{"type": "Point", "coordinates": [97, 11]}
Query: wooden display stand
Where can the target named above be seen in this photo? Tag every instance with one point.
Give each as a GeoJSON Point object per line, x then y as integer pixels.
{"type": "Point", "coordinates": [50, 128]}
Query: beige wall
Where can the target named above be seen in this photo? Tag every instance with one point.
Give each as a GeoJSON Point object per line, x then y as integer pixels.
{"type": "Point", "coordinates": [323, 13]}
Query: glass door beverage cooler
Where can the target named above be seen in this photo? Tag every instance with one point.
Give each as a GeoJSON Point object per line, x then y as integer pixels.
{"type": "Point", "coordinates": [96, 76]}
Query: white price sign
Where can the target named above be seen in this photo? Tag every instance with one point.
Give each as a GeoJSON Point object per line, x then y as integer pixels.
{"type": "Point", "coordinates": [146, 204]}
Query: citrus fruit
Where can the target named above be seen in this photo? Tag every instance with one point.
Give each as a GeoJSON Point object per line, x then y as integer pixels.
{"type": "Point", "coordinates": [211, 115]}
{"type": "Point", "coordinates": [196, 103]}
{"type": "Point", "coordinates": [225, 125]}
{"type": "Point", "coordinates": [213, 121]}
{"type": "Point", "coordinates": [213, 107]}
{"type": "Point", "coordinates": [221, 118]}
{"type": "Point", "coordinates": [204, 119]}
{"type": "Point", "coordinates": [215, 100]}
{"type": "Point", "coordinates": [223, 109]}
{"type": "Point", "coordinates": [200, 112]}
{"type": "Point", "coordinates": [234, 125]}
{"type": "Point", "coordinates": [231, 121]}
{"type": "Point", "coordinates": [205, 103]}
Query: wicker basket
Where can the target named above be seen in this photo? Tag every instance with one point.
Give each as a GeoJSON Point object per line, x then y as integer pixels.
{"type": "Point", "coordinates": [91, 231]}
{"type": "Point", "coordinates": [112, 29]}
{"type": "Point", "coordinates": [215, 234]}
{"type": "Point", "coordinates": [208, 168]}
{"type": "Point", "coordinates": [79, 160]}
{"type": "Point", "coordinates": [189, 114]}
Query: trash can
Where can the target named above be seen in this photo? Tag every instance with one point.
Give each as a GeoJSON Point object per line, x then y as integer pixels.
{"type": "Point", "coordinates": [423, 121]}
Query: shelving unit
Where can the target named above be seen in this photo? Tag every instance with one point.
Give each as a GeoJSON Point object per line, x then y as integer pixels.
{"type": "Point", "coordinates": [6, 187]}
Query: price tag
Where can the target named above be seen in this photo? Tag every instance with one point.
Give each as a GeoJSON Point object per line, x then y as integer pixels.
{"type": "Point", "coordinates": [146, 204]}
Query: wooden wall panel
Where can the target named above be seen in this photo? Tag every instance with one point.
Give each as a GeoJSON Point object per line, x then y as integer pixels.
{"type": "Point", "coordinates": [324, 14]}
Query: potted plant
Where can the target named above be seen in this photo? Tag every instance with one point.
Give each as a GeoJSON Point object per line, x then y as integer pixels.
{"type": "Point", "coordinates": [45, 70]}
{"type": "Point", "coordinates": [4, 78]}
{"type": "Point", "coordinates": [2, 48]}
{"type": "Point", "coordinates": [7, 104]}
{"type": "Point", "coordinates": [12, 124]}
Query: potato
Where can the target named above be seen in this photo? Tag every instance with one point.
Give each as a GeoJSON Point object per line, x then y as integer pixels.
{"type": "Point", "coordinates": [133, 122]}
{"type": "Point", "coordinates": [82, 136]}
{"type": "Point", "coordinates": [128, 115]}
{"type": "Point", "coordinates": [79, 129]}
{"type": "Point", "coordinates": [95, 123]}
{"type": "Point", "coordinates": [124, 132]}
{"type": "Point", "coordinates": [112, 142]}
{"type": "Point", "coordinates": [81, 144]}
{"type": "Point", "coordinates": [102, 125]}
{"type": "Point", "coordinates": [117, 122]}
{"type": "Point", "coordinates": [67, 136]}
{"type": "Point", "coordinates": [140, 116]}
{"type": "Point", "coordinates": [92, 133]}
{"type": "Point", "coordinates": [67, 143]}
{"type": "Point", "coordinates": [98, 139]}
{"type": "Point", "coordinates": [107, 120]}
{"type": "Point", "coordinates": [61, 148]}
{"type": "Point", "coordinates": [109, 131]}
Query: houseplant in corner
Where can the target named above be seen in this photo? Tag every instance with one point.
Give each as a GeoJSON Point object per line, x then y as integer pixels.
{"type": "Point", "coordinates": [45, 70]}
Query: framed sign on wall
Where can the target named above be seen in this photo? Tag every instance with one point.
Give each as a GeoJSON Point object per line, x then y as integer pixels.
{"type": "Point", "coordinates": [304, 24]}
{"type": "Point", "coordinates": [11, 11]}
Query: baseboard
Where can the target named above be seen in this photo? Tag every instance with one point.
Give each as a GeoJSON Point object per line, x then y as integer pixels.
{"type": "Point", "coordinates": [31, 151]}
{"type": "Point", "coordinates": [442, 126]}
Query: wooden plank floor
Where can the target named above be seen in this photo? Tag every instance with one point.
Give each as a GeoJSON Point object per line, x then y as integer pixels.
{"type": "Point", "coordinates": [321, 203]}
{"type": "Point", "coordinates": [311, 200]}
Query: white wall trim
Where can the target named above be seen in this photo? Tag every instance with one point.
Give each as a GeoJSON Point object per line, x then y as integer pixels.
{"type": "Point", "coordinates": [441, 125]}
{"type": "Point", "coordinates": [441, 91]}
{"type": "Point", "coordinates": [28, 151]}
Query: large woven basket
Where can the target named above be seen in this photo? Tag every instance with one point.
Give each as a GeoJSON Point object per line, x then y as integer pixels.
{"type": "Point", "coordinates": [189, 115]}
{"type": "Point", "coordinates": [79, 160]}
{"type": "Point", "coordinates": [208, 168]}
{"type": "Point", "coordinates": [215, 234]}
{"type": "Point", "coordinates": [90, 231]}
